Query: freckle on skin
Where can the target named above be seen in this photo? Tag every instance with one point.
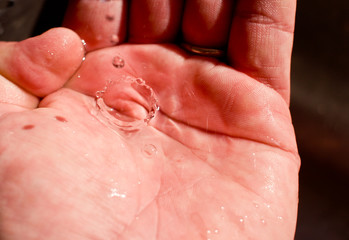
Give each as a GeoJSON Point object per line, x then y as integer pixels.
{"type": "Point", "coordinates": [28, 127]}
{"type": "Point", "coordinates": [61, 119]}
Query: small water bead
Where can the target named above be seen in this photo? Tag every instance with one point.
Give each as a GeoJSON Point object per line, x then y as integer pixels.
{"type": "Point", "coordinates": [115, 193]}
{"type": "Point", "coordinates": [83, 44]}
{"type": "Point", "coordinates": [118, 62]}
{"type": "Point", "coordinates": [99, 94]}
{"type": "Point", "coordinates": [241, 220]}
{"type": "Point", "coordinates": [149, 150]}
{"type": "Point", "coordinates": [262, 221]}
{"type": "Point", "coordinates": [84, 49]}
{"type": "Point", "coordinates": [114, 39]}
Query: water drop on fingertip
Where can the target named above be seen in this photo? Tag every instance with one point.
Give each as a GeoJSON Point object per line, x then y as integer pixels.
{"type": "Point", "coordinates": [114, 39]}
{"type": "Point", "coordinates": [84, 49]}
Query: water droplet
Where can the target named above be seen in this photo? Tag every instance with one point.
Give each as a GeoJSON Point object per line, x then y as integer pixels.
{"type": "Point", "coordinates": [115, 193]}
{"type": "Point", "coordinates": [208, 231]}
{"type": "Point", "coordinates": [262, 221]}
{"type": "Point", "coordinates": [83, 43]}
{"type": "Point", "coordinates": [126, 114]}
{"type": "Point", "coordinates": [84, 48]}
{"type": "Point", "coordinates": [114, 39]}
{"type": "Point", "coordinates": [256, 205]}
{"type": "Point", "coordinates": [139, 81]}
{"type": "Point", "coordinates": [280, 218]}
{"type": "Point", "coordinates": [241, 220]}
{"type": "Point", "coordinates": [100, 94]}
{"type": "Point", "coordinates": [118, 62]}
{"type": "Point", "coordinates": [222, 208]}
{"type": "Point", "coordinates": [149, 150]}
{"type": "Point", "coordinates": [216, 231]}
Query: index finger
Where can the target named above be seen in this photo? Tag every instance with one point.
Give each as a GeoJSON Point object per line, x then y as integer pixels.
{"type": "Point", "coordinates": [99, 23]}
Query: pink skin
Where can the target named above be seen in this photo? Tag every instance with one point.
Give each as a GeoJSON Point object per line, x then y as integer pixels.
{"type": "Point", "coordinates": [226, 161]}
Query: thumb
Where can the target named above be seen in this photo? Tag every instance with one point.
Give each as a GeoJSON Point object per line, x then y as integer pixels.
{"type": "Point", "coordinates": [42, 64]}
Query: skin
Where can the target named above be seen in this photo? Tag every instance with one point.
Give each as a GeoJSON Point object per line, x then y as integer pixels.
{"type": "Point", "coordinates": [223, 160]}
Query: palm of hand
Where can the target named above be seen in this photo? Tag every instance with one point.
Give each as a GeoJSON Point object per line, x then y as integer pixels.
{"type": "Point", "coordinates": [225, 156]}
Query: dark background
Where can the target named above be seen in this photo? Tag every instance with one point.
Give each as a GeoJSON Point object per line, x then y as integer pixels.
{"type": "Point", "coordinates": [319, 103]}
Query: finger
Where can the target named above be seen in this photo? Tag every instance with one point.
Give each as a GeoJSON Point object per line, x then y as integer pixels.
{"type": "Point", "coordinates": [261, 39]}
{"type": "Point", "coordinates": [42, 64]}
{"type": "Point", "coordinates": [207, 23]}
{"type": "Point", "coordinates": [99, 23]}
{"type": "Point", "coordinates": [154, 21]}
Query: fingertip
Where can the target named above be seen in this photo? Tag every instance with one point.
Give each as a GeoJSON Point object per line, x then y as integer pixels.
{"type": "Point", "coordinates": [42, 64]}
{"type": "Point", "coordinates": [100, 23]}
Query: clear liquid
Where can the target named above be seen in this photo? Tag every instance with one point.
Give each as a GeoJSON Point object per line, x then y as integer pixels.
{"type": "Point", "coordinates": [128, 104]}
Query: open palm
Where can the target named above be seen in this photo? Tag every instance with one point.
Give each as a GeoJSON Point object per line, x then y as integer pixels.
{"type": "Point", "coordinates": [218, 161]}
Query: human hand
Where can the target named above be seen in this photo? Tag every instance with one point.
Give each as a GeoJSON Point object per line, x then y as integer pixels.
{"type": "Point", "coordinates": [219, 159]}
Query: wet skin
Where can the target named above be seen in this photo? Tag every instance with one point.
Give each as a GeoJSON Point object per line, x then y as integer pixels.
{"type": "Point", "coordinates": [225, 166]}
